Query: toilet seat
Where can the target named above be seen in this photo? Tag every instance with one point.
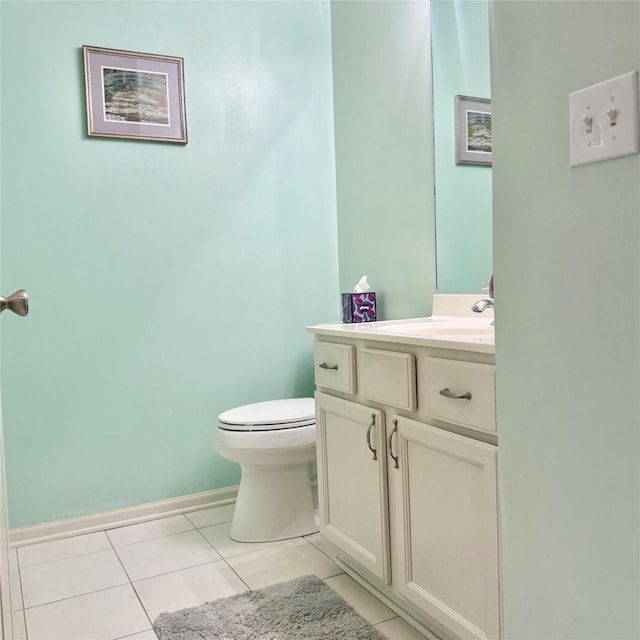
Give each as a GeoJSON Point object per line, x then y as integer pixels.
{"type": "Point", "coordinates": [273, 415]}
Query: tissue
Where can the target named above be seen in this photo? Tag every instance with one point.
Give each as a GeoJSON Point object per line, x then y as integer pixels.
{"type": "Point", "coordinates": [362, 285]}
{"type": "Point", "coordinates": [360, 305]}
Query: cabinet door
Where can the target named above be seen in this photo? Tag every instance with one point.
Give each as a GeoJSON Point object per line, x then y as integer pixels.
{"type": "Point", "coordinates": [448, 534]}
{"type": "Point", "coordinates": [352, 487]}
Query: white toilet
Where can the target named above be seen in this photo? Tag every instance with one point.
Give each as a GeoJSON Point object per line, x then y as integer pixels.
{"type": "Point", "coordinates": [274, 443]}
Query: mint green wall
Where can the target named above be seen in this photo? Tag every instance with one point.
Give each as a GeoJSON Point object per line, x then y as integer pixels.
{"type": "Point", "coordinates": [167, 282]}
{"type": "Point", "coordinates": [384, 151]}
{"type": "Point", "coordinates": [567, 268]}
{"type": "Point", "coordinates": [463, 192]}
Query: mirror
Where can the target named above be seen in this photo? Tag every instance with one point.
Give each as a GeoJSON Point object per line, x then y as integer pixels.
{"type": "Point", "coordinates": [463, 197]}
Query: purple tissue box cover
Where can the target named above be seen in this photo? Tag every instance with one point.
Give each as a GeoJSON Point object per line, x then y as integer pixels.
{"type": "Point", "coordinates": [359, 307]}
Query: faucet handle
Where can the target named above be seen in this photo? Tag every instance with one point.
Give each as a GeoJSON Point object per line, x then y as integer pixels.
{"type": "Point", "coordinates": [489, 288]}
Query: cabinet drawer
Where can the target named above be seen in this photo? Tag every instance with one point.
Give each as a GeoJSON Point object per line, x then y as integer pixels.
{"type": "Point", "coordinates": [388, 376]}
{"type": "Point", "coordinates": [335, 366]}
{"type": "Point", "coordinates": [474, 382]}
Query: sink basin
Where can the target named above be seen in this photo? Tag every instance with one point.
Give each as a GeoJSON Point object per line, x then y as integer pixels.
{"type": "Point", "coordinates": [444, 330]}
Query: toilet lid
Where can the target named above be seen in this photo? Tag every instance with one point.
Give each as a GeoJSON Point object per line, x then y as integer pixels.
{"type": "Point", "coordinates": [270, 415]}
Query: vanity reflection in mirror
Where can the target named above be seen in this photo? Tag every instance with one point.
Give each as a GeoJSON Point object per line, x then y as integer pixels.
{"type": "Point", "coordinates": [463, 198]}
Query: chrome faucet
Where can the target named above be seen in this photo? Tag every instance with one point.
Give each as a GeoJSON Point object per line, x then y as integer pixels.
{"type": "Point", "coordinates": [485, 303]}
{"type": "Point", "coordinates": [481, 305]}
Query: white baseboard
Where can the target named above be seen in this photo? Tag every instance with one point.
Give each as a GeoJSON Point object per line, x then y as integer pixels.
{"type": "Point", "coordinates": [120, 517]}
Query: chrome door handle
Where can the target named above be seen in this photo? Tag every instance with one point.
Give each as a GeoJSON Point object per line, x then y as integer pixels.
{"type": "Point", "coordinates": [324, 365]}
{"type": "Point", "coordinates": [389, 442]}
{"type": "Point", "coordinates": [18, 302]}
{"type": "Point", "coordinates": [447, 393]}
{"type": "Point", "coordinates": [373, 424]}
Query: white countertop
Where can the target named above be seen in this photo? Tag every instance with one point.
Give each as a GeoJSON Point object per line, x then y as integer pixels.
{"type": "Point", "coordinates": [415, 331]}
{"type": "Point", "coordinates": [453, 326]}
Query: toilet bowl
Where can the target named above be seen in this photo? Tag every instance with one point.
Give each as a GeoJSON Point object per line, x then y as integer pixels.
{"type": "Point", "coordinates": [274, 443]}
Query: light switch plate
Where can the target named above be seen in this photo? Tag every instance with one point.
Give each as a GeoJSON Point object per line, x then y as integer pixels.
{"type": "Point", "coordinates": [603, 120]}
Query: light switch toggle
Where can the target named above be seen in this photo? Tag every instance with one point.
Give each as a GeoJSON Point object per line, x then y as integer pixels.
{"type": "Point", "coordinates": [588, 121]}
{"type": "Point", "coordinates": [603, 120]}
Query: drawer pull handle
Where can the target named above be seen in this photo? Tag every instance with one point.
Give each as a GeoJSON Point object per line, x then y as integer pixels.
{"type": "Point", "coordinates": [324, 365]}
{"type": "Point", "coordinates": [395, 458]}
{"type": "Point", "coordinates": [373, 424]}
{"type": "Point", "coordinates": [447, 393]}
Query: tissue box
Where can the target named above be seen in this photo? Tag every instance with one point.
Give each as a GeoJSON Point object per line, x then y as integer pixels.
{"type": "Point", "coordinates": [359, 307]}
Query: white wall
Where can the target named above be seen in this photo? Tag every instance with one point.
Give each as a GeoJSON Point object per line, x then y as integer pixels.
{"type": "Point", "coordinates": [567, 302]}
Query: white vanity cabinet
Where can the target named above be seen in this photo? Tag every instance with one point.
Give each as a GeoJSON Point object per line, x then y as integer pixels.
{"type": "Point", "coordinates": [445, 527]}
{"type": "Point", "coordinates": [407, 476]}
{"type": "Point", "coordinates": [352, 482]}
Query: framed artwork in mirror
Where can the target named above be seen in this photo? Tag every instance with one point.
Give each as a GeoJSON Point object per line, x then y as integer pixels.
{"type": "Point", "coordinates": [134, 95]}
{"type": "Point", "coordinates": [474, 144]}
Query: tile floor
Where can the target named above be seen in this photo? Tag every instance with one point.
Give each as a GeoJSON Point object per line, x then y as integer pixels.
{"type": "Point", "coordinates": [112, 584]}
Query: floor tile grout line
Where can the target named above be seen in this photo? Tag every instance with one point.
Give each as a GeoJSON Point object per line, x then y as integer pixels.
{"type": "Point", "coordinates": [208, 542]}
{"type": "Point", "coordinates": [235, 573]}
{"type": "Point", "coordinates": [126, 575]}
{"type": "Point", "coordinates": [133, 580]}
{"type": "Point", "coordinates": [266, 546]}
{"type": "Point", "coordinates": [79, 555]}
{"type": "Point", "coordinates": [224, 559]}
{"type": "Point", "coordinates": [212, 524]}
{"type": "Point", "coordinates": [166, 535]}
{"type": "Point", "coordinates": [28, 545]}
{"type": "Point", "coordinates": [394, 615]}
{"type": "Point", "coordinates": [18, 571]}
{"type": "Point", "coordinates": [131, 635]}
{"type": "Point", "coordinates": [23, 608]}
{"type": "Point", "coordinates": [319, 549]}
{"type": "Point", "coordinates": [77, 595]}
{"type": "Point", "coordinates": [24, 623]}
{"type": "Point", "coordinates": [167, 573]}
{"type": "Point", "coordinates": [373, 624]}
{"type": "Point", "coordinates": [133, 588]}
{"type": "Point", "coordinates": [270, 546]}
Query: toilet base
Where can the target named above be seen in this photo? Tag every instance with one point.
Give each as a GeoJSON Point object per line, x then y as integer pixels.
{"type": "Point", "coordinates": [274, 503]}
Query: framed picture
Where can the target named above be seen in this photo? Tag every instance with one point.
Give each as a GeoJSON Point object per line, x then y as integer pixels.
{"type": "Point", "coordinates": [134, 95]}
{"type": "Point", "coordinates": [473, 131]}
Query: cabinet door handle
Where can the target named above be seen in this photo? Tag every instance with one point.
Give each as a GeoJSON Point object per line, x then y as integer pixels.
{"type": "Point", "coordinates": [373, 424]}
{"type": "Point", "coordinates": [447, 393]}
{"type": "Point", "coordinates": [395, 458]}
{"type": "Point", "coordinates": [324, 365]}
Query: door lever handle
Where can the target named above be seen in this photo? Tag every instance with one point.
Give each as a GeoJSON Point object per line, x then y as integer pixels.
{"type": "Point", "coordinates": [18, 302]}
